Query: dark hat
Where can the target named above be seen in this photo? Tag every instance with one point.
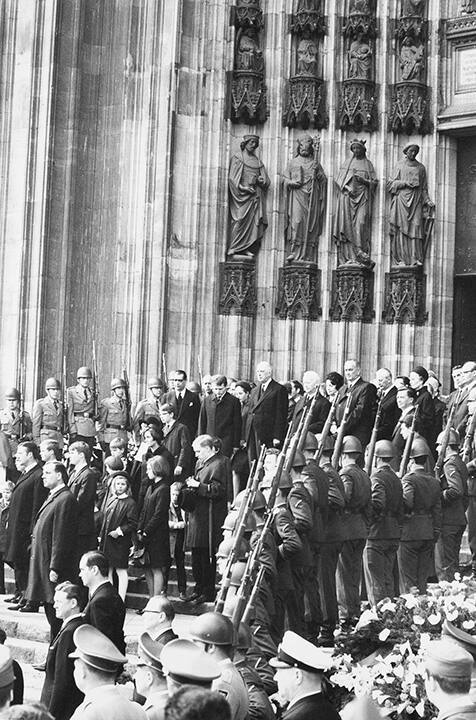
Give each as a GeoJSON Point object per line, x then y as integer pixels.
{"type": "Point", "coordinates": [294, 651]}
{"type": "Point", "coordinates": [422, 372]}
{"type": "Point", "coordinates": [153, 420]}
{"type": "Point", "coordinates": [6, 667]}
{"type": "Point", "coordinates": [444, 658]}
{"type": "Point", "coordinates": [96, 650]}
{"type": "Point", "coordinates": [462, 638]}
{"type": "Point", "coordinates": [187, 664]}
{"type": "Point", "coordinates": [149, 651]}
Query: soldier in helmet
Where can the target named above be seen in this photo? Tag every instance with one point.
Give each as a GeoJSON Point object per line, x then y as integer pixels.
{"type": "Point", "coordinates": [14, 422]}
{"type": "Point", "coordinates": [422, 522]}
{"type": "Point", "coordinates": [356, 515]}
{"type": "Point", "coordinates": [49, 422]}
{"type": "Point", "coordinates": [454, 502]}
{"type": "Point", "coordinates": [81, 417]}
{"type": "Point", "coordinates": [114, 420]}
{"type": "Point", "coordinates": [260, 707]}
{"type": "Point", "coordinates": [384, 533]}
{"type": "Point", "coordinates": [214, 633]}
{"type": "Point", "coordinates": [149, 407]}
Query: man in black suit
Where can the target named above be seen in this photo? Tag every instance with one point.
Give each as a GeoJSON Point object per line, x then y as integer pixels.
{"type": "Point", "coordinates": [269, 411]}
{"type": "Point", "coordinates": [299, 672]}
{"type": "Point", "coordinates": [186, 404]}
{"type": "Point", "coordinates": [105, 609]}
{"type": "Point", "coordinates": [53, 542]}
{"type": "Point", "coordinates": [360, 419]}
{"type": "Point", "coordinates": [28, 495]}
{"type": "Point", "coordinates": [59, 693]}
{"type": "Point", "coordinates": [310, 383]}
{"type": "Point", "coordinates": [389, 411]}
{"type": "Point", "coordinates": [83, 484]}
{"type": "Point", "coordinates": [425, 404]}
{"type": "Point", "coordinates": [220, 416]}
{"type": "Point", "coordinates": [157, 618]}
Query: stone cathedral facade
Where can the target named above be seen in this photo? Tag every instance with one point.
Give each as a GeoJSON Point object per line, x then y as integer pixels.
{"type": "Point", "coordinates": [136, 211]}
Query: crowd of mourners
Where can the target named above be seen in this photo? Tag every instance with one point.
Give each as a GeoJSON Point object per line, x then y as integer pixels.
{"type": "Point", "coordinates": [296, 500]}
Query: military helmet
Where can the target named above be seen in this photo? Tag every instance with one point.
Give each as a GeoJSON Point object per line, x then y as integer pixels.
{"type": "Point", "coordinates": [453, 439]}
{"type": "Point", "coordinates": [226, 546]}
{"type": "Point", "coordinates": [118, 383]}
{"type": "Point", "coordinates": [285, 481]}
{"type": "Point", "coordinates": [299, 460]}
{"type": "Point", "coordinates": [237, 572]}
{"type": "Point", "coordinates": [258, 502]}
{"type": "Point", "coordinates": [52, 384]}
{"type": "Point", "coordinates": [243, 640]}
{"type": "Point", "coordinates": [84, 372]}
{"type": "Point", "coordinates": [310, 443]}
{"type": "Point", "coordinates": [155, 382]}
{"type": "Point", "coordinates": [328, 442]}
{"type": "Point", "coordinates": [419, 448]}
{"type": "Point", "coordinates": [230, 522]}
{"type": "Point", "coordinates": [12, 394]}
{"type": "Point", "coordinates": [351, 444]}
{"type": "Point", "coordinates": [384, 449]}
{"type": "Point", "coordinates": [213, 628]}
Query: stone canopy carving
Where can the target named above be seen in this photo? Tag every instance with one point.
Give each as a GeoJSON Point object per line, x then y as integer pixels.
{"type": "Point", "coordinates": [405, 291]}
{"type": "Point", "coordinates": [409, 110]}
{"type": "Point", "coordinates": [237, 295]}
{"type": "Point", "coordinates": [248, 88]}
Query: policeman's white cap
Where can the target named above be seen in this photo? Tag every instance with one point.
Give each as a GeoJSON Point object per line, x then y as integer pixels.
{"type": "Point", "coordinates": [294, 651]}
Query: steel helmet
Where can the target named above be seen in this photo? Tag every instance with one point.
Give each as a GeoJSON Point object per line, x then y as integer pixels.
{"type": "Point", "coordinates": [226, 546]}
{"type": "Point", "coordinates": [155, 382]}
{"type": "Point", "coordinates": [328, 442]}
{"type": "Point", "coordinates": [213, 628]}
{"type": "Point", "coordinates": [118, 383]}
{"type": "Point", "coordinates": [299, 460]}
{"type": "Point", "coordinates": [52, 384]}
{"type": "Point", "coordinates": [237, 572]}
{"type": "Point", "coordinates": [258, 503]}
{"type": "Point", "coordinates": [285, 481]}
{"type": "Point", "coordinates": [351, 444]}
{"type": "Point", "coordinates": [384, 449]}
{"type": "Point", "coordinates": [310, 443]}
{"type": "Point", "coordinates": [230, 521]}
{"type": "Point", "coordinates": [419, 448]}
{"type": "Point", "coordinates": [84, 372]}
{"type": "Point", "coordinates": [453, 439]}
{"type": "Point", "coordinates": [244, 637]}
{"type": "Point", "coordinates": [12, 394]}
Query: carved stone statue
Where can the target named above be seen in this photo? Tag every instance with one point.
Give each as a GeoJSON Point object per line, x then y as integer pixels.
{"type": "Point", "coordinates": [360, 59]}
{"type": "Point", "coordinates": [248, 55]}
{"type": "Point", "coordinates": [356, 183]}
{"type": "Point", "coordinates": [411, 217]}
{"type": "Point", "coordinates": [247, 185]}
{"type": "Point", "coordinates": [307, 58]}
{"type": "Point", "coordinates": [411, 60]}
{"type": "Point", "coordinates": [305, 184]}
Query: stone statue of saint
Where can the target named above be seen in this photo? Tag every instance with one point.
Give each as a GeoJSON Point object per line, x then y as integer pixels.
{"type": "Point", "coordinates": [247, 185]}
{"type": "Point", "coordinates": [305, 184]}
{"type": "Point", "coordinates": [411, 60]}
{"type": "Point", "coordinates": [307, 58]}
{"type": "Point", "coordinates": [356, 183]}
{"type": "Point", "coordinates": [360, 59]}
{"type": "Point", "coordinates": [411, 216]}
{"type": "Point", "coordinates": [249, 55]}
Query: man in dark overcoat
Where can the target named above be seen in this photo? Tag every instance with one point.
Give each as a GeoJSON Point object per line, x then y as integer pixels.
{"type": "Point", "coordinates": [185, 403]}
{"type": "Point", "coordinates": [220, 416]}
{"type": "Point", "coordinates": [27, 497]}
{"type": "Point", "coordinates": [207, 495]}
{"type": "Point", "coordinates": [269, 411]}
{"type": "Point", "coordinates": [83, 484]}
{"type": "Point", "coordinates": [362, 404]}
{"type": "Point", "coordinates": [53, 542]}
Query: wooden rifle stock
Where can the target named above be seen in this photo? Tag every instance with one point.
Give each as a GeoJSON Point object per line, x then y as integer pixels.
{"type": "Point", "coordinates": [327, 427]}
{"type": "Point", "coordinates": [307, 421]}
{"type": "Point", "coordinates": [373, 438]}
{"type": "Point", "coordinates": [408, 446]}
{"type": "Point", "coordinates": [340, 433]}
{"type": "Point", "coordinates": [468, 438]}
{"type": "Point", "coordinates": [440, 461]}
{"type": "Point", "coordinates": [125, 377]}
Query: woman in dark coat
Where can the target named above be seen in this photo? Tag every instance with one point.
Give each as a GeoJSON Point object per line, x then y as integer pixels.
{"type": "Point", "coordinates": [119, 522]}
{"type": "Point", "coordinates": [154, 448]}
{"type": "Point", "coordinates": [239, 464]}
{"type": "Point", "coordinates": [177, 441]}
{"type": "Point", "coordinates": [153, 526]}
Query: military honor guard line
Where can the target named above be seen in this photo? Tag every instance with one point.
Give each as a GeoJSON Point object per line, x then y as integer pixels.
{"type": "Point", "coordinates": [296, 500]}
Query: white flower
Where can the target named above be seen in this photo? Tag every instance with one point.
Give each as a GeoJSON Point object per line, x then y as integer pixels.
{"type": "Point", "coordinates": [418, 620]}
{"type": "Point", "coordinates": [468, 624]}
{"type": "Point", "coordinates": [434, 618]}
{"type": "Point", "coordinates": [451, 616]}
{"type": "Point", "coordinates": [384, 635]}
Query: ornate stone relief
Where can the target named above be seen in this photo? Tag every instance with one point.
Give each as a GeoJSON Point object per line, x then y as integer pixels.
{"type": "Point", "coordinates": [237, 294]}
{"type": "Point", "coordinates": [299, 291]}
{"type": "Point", "coordinates": [352, 293]}
{"type": "Point", "coordinates": [248, 88]}
{"type": "Point", "coordinates": [405, 290]}
{"type": "Point", "coordinates": [409, 110]}
{"type": "Point", "coordinates": [357, 102]}
{"type": "Point", "coordinates": [304, 104]}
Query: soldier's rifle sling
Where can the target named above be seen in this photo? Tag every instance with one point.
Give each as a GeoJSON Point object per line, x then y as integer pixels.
{"type": "Point", "coordinates": [373, 437]}
{"type": "Point", "coordinates": [327, 428]}
{"type": "Point", "coordinates": [440, 461]}
{"type": "Point", "coordinates": [340, 433]}
{"type": "Point", "coordinates": [408, 445]}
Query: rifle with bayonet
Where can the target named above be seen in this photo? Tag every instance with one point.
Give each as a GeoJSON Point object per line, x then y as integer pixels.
{"type": "Point", "coordinates": [373, 437]}
{"type": "Point", "coordinates": [468, 438]}
{"type": "Point", "coordinates": [164, 371]}
{"type": "Point", "coordinates": [95, 385]}
{"type": "Point", "coordinates": [327, 428]}
{"type": "Point", "coordinates": [408, 445]}
{"type": "Point", "coordinates": [440, 461]}
{"type": "Point", "coordinates": [127, 393]}
{"type": "Point", "coordinates": [21, 405]}
{"type": "Point", "coordinates": [341, 433]}
{"type": "Point", "coordinates": [240, 527]}
{"type": "Point", "coordinates": [64, 418]}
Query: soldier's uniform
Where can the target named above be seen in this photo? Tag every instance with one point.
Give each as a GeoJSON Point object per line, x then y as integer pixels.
{"type": "Point", "coordinates": [49, 422]}
{"type": "Point", "coordinates": [114, 418]}
{"type": "Point", "coordinates": [384, 531]}
{"type": "Point", "coordinates": [454, 502]}
{"type": "Point", "coordinates": [301, 508]}
{"type": "Point", "coordinates": [421, 527]}
{"type": "Point", "coordinates": [149, 407]}
{"type": "Point", "coordinates": [259, 706]}
{"type": "Point", "coordinates": [16, 424]}
{"type": "Point", "coordinates": [231, 685]}
{"type": "Point", "coordinates": [356, 515]}
{"type": "Point", "coordinates": [81, 417]}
